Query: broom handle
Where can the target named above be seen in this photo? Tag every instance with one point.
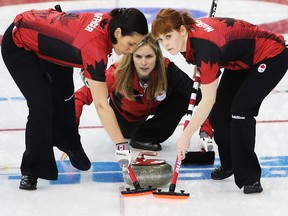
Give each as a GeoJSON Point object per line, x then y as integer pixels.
{"type": "Point", "coordinates": [190, 108]}
{"type": "Point", "coordinates": [189, 114]}
{"type": "Point", "coordinates": [133, 178]}
{"type": "Point", "coordinates": [192, 99]}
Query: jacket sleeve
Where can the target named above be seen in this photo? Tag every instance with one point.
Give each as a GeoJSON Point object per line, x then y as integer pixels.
{"type": "Point", "coordinates": [82, 97]}
{"type": "Point", "coordinates": [207, 127]}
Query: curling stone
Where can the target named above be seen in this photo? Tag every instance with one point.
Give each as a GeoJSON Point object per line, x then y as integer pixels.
{"type": "Point", "coordinates": [150, 172]}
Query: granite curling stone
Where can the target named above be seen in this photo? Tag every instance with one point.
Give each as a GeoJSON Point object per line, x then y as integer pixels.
{"type": "Point", "coordinates": [150, 172]}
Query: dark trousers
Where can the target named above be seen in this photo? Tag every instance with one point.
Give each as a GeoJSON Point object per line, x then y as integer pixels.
{"type": "Point", "coordinates": [49, 92]}
{"type": "Point", "coordinates": [238, 100]}
{"type": "Point", "coordinates": [161, 125]}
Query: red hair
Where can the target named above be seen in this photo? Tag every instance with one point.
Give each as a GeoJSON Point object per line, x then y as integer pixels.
{"type": "Point", "coordinates": [168, 20]}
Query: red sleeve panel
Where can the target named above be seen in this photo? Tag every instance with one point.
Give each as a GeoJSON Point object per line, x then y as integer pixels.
{"type": "Point", "coordinates": [206, 127]}
{"type": "Point", "coordinates": [82, 97]}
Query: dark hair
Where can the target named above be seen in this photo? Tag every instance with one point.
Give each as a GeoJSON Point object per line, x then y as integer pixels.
{"type": "Point", "coordinates": [129, 20]}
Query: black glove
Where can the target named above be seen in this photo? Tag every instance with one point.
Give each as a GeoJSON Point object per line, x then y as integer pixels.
{"type": "Point", "coordinates": [58, 8]}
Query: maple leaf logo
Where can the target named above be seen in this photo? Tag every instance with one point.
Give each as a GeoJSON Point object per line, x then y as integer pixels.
{"type": "Point", "coordinates": [97, 72]}
{"type": "Point", "coordinates": [208, 71]}
{"type": "Point", "coordinates": [209, 66]}
{"type": "Point", "coordinates": [228, 21]}
{"type": "Point", "coordinates": [67, 17]}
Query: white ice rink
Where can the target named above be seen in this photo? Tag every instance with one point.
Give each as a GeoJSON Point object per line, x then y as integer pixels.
{"type": "Point", "coordinates": [97, 191]}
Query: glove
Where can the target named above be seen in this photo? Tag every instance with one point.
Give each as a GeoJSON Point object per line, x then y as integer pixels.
{"type": "Point", "coordinates": [58, 8]}
{"type": "Point", "coordinates": [123, 154]}
{"type": "Point", "coordinates": [206, 143]}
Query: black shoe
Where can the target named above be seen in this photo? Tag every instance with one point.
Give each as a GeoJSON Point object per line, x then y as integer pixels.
{"type": "Point", "coordinates": [253, 188]}
{"type": "Point", "coordinates": [219, 173]}
{"type": "Point", "coordinates": [77, 158]}
{"type": "Point", "coordinates": [28, 183]}
{"type": "Point", "coordinates": [145, 145]}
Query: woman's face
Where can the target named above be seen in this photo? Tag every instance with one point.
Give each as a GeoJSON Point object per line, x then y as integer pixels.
{"type": "Point", "coordinates": [174, 41]}
{"type": "Point", "coordinates": [144, 60]}
{"type": "Point", "coordinates": [125, 44]}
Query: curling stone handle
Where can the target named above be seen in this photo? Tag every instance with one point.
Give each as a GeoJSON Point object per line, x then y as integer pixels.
{"type": "Point", "coordinates": [147, 153]}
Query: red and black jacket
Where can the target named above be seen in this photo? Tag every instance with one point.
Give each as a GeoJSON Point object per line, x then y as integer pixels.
{"type": "Point", "coordinates": [216, 43]}
{"type": "Point", "coordinates": [69, 39]}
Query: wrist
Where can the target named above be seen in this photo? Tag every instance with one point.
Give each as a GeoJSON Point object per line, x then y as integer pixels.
{"type": "Point", "coordinates": [122, 143]}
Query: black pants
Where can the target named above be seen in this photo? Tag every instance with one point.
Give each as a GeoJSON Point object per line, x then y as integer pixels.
{"type": "Point", "coordinates": [161, 125]}
{"type": "Point", "coordinates": [238, 100]}
{"type": "Point", "coordinates": [49, 91]}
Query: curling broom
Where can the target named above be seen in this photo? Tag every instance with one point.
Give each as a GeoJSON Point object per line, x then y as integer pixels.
{"type": "Point", "coordinates": [182, 195]}
{"type": "Point", "coordinates": [201, 157]}
{"type": "Point", "coordinates": [138, 189]}
{"type": "Point", "coordinates": [171, 193]}
{"type": "Point", "coordinates": [196, 157]}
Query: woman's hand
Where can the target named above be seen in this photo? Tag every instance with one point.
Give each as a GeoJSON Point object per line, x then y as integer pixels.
{"type": "Point", "coordinates": [182, 146]}
{"type": "Point", "coordinates": [195, 72]}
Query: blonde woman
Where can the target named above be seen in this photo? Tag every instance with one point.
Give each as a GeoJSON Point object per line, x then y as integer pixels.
{"type": "Point", "coordinates": [143, 84]}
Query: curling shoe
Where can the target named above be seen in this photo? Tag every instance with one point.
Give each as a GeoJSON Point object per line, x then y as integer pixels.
{"type": "Point", "coordinates": [145, 145]}
{"type": "Point", "coordinates": [78, 158]}
{"type": "Point", "coordinates": [28, 183]}
{"type": "Point", "coordinates": [220, 173]}
{"type": "Point", "coordinates": [253, 188]}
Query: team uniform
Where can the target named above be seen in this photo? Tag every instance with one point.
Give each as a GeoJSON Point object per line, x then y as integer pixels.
{"type": "Point", "coordinates": [254, 61]}
{"type": "Point", "coordinates": [167, 109]}
{"type": "Point", "coordinates": [40, 49]}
